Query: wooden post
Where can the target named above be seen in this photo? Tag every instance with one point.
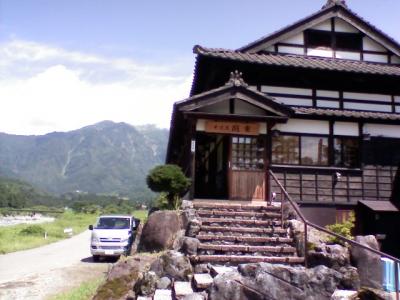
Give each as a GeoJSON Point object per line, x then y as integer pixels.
{"type": "Point", "coordinates": [396, 278]}
{"type": "Point", "coordinates": [192, 157]}
{"type": "Point", "coordinates": [305, 245]}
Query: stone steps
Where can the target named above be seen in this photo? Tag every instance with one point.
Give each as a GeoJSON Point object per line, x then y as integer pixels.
{"type": "Point", "coordinates": [243, 233]}
{"type": "Point", "coordinates": [241, 214]}
{"type": "Point", "coordinates": [238, 259]}
{"type": "Point", "coordinates": [236, 207]}
{"type": "Point", "coordinates": [249, 230]}
{"type": "Point", "coordinates": [271, 223]}
{"type": "Point", "coordinates": [244, 248]}
{"type": "Point", "coordinates": [244, 239]}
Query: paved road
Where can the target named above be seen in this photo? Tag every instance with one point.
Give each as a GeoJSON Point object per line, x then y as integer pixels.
{"type": "Point", "coordinates": [36, 273]}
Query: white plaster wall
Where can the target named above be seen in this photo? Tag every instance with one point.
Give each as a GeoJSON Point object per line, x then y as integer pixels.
{"type": "Point", "coordinates": [369, 44]}
{"type": "Point", "coordinates": [371, 107]}
{"type": "Point", "coordinates": [395, 59]}
{"type": "Point", "coordinates": [343, 26]}
{"type": "Point", "coordinates": [297, 39]}
{"type": "Point", "coordinates": [271, 48]}
{"type": "Point", "coordinates": [201, 125]}
{"type": "Point", "coordinates": [245, 108]}
{"type": "Point", "coordinates": [345, 128]}
{"type": "Point", "coordinates": [348, 55]}
{"type": "Point", "coordinates": [376, 58]}
{"type": "Point", "coordinates": [326, 93]}
{"type": "Point", "coordinates": [397, 99]}
{"type": "Point", "coordinates": [326, 25]}
{"type": "Point", "coordinates": [286, 90]}
{"type": "Point", "coordinates": [294, 101]}
{"type": "Point", "coordinates": [304, 126]}
{"type": "Point", "coordinates": [319, 52]}
{"type": "Point", "coordinates": [290, 50]}
{"type": "Point", "coordinates": [364, 96]}
{"type": "Point", "coordinates": [382, 130]}
{"type": "Point", "coordinates": [328, 104]}
{"type": "Point", "coordinates": [219, 108]}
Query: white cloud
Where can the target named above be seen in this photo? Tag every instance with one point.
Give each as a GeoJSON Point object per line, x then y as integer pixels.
{"type": "Point", "coordinates": [44, 89]}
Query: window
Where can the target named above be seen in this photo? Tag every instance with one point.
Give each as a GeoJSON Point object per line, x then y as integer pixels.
{"type": "Point", "coordinates": [318, 38]}
{"type": "Point", "coordinates": [314, 151]}
{"type": "Point", "coordinates": [333, 40]}
{"type": "Point", "coordinates": [247, 153]}
{"type": "Point", "coordinates": [304, 150]}
{"type": "Point", "coordinates": [346, 152]}
{"type": "Point", "coordinates": [285, 149]}
{"type": "Point", "coordinates": [348, 41]}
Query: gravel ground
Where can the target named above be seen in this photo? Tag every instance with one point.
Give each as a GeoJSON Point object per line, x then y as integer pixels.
{"type": "Point", "coordinates": [39, 273]}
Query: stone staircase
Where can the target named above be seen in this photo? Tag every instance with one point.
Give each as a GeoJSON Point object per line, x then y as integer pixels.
{"type": "Point", "coordinates": [243, 233]}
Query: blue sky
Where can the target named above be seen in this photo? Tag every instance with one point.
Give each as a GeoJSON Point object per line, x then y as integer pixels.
{"type": "Point", "coordinates": [69, 63]}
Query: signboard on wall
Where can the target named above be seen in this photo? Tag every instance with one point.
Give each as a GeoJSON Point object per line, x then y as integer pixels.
{"type": "Point", "coordinates": [243, 128]}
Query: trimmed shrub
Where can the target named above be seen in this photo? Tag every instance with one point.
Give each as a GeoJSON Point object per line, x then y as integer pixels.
{"type": "Point", "coordinates": [170, 180]}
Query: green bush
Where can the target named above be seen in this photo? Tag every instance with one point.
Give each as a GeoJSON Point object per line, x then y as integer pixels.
{"type": "Point", "coordinates": [344, 229]}
{"type": "Point", "coordinates": [36, 230]}
{"type": "Point", "coordinates": [170, 180]}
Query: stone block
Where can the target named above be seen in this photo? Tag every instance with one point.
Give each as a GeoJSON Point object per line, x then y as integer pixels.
{"type": "Point", "coordinates": [163, 295]}
{"type": "Point", "coordinates": [202, 281]}
{"type": "Point", "coordinates": [182, 289]}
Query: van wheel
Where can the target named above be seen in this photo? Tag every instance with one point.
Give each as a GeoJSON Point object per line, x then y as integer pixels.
{"type": "Point", "coordinates": [96, 258]}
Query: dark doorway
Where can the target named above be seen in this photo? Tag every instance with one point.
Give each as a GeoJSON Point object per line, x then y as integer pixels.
{"type": "Point", "coordinates": [211, 166]}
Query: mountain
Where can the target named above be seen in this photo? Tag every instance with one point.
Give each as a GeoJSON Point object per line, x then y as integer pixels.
{"type": "Point", "coordinates": [107, 157]}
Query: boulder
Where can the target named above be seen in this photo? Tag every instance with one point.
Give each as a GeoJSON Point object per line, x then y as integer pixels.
{"type": "Point", "coordinates": [276, 282]}
{"type": "Point", "coordinates": [123, 276]}
{"type": "Point", "coordinates": [344, 295]}
{"type": "Point", "coordinates": [173, 265]}
{"type": "Point", "coordinates": [350, 278]}
{"type": "Point", "coordinates": [333, 256]}
{"type": "Point", "coordinates": [160, 231]}
{"type": "Point", "coordinates": [368, 264]}
{"type": "Point", "coordinates": [193, 228]}
{"type": "Point", "coordinates": [190, 245]}
{"type": "Point", "coordinates": [373, 294]}
{"type": "Point", "coordinates": [188, 215]}
{"type": "Point", "coordinates": [146, 285]}
{"type": "Point", "coordinates": [164, 283]}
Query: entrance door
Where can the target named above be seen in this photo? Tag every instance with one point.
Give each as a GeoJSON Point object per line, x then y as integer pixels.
{"type": "Point", "coordinates": [212, 152]}
{"type": "Point", "coordinates": [247, 171]}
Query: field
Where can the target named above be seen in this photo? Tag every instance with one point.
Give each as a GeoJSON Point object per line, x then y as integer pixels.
{"type": "Point", "coordinates": [21, 237]}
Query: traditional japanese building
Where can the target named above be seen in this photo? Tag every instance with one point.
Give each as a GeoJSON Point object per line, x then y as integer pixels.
{"type": "Point", "coordinates": [317, 103]}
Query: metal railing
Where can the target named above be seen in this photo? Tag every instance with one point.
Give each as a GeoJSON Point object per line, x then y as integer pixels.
{"type": "Point", "coordinates": [285, 195]}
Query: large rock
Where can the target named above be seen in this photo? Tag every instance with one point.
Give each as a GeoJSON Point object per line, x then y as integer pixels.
{"type": "Point", "coordinates": [276, 282]}
{"type": "Point", "coordinates": [173, 265]}
{"type": "Point", "coordinates": [333, 256]}
{"type": "Point", "coordinates": [123, 276]}
{"type": "Point", "coordinates": [190, 245]}
{"type": "Point", "coordinates": [160, 231]}
{"type": "Point", "coordinates": [368, 264]}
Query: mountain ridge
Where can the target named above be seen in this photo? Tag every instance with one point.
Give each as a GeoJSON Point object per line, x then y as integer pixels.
{"type": "Point", "coordinates": [106, 157]}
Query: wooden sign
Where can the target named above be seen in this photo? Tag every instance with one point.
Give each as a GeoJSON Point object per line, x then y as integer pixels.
{"type": "Point", "coordinates": [242, 128]}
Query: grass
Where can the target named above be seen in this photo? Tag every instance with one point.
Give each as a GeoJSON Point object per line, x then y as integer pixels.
{"type": "Point", "coordinates": [85, 291]}
{"type": "Point", "coordinates": [12, 240]}
{"type": "Point", "coordinates": [140, 214]}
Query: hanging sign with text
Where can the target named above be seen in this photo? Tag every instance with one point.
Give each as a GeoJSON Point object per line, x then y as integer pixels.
{"type": "Point", "coordinates": [242, 128]}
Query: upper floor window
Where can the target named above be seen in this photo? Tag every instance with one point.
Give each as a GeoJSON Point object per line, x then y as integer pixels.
{"type": "Point", "coordinates": [333, 40]}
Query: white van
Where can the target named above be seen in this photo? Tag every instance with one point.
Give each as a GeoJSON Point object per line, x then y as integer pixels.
{"type": "Point", "coordinates": [112, 235]}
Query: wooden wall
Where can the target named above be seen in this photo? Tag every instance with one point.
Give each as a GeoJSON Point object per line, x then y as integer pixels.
{"type": "Point", "coordinates": [317, 186]}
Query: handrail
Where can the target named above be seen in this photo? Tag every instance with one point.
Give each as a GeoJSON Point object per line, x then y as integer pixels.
{"type": "Point", "coordinates": [340, 237]}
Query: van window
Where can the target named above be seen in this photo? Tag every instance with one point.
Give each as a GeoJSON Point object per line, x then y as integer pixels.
{"type": "Point", "coordinates": [113, 223]}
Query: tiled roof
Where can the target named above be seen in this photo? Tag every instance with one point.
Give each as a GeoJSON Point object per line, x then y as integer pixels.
{"type": "Point", "coordinates": [330, 6]}
{"type": "Point", "coordinates": [346, 113]}
{"type": "Point", "coordinates": [385, 206]}
{"type": "Point", "coordinates": [297, 61]}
